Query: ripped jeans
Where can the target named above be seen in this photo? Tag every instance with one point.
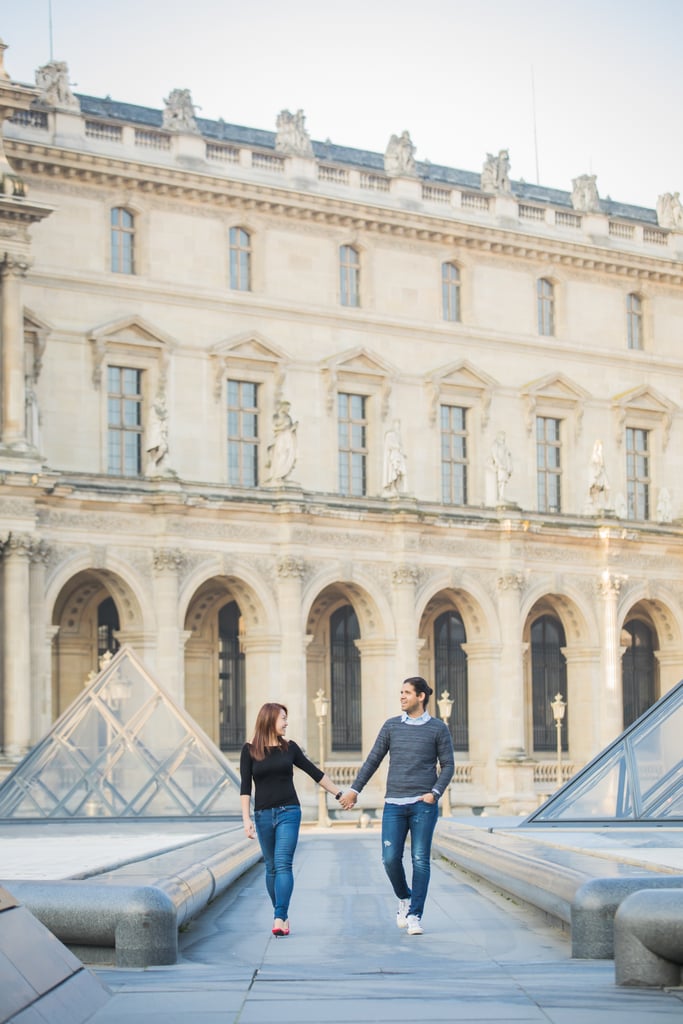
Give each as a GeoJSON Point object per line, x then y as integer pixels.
{"type": "Point", "coordinates": [418, 819]}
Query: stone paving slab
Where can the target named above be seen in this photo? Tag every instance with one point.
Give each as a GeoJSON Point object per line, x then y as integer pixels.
{"type": "Point", "coordinates": [484, 957]}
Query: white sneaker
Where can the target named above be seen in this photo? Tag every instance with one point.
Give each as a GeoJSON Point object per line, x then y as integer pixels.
{"type": "Point", "coordinates": [402, 915]}
{"type": "Point", "coordinates": [414, 926]}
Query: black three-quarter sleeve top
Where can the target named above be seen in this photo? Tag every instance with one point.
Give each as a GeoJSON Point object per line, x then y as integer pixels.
{"type": "Point", "coordinates": [273, 777]}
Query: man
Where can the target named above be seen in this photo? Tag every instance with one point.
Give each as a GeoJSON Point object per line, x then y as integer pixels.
{"type": "Point", "coordinates": [415, 743]}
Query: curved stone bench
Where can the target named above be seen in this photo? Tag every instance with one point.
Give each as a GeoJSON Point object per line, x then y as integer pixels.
{"type": "Point", "coordinates": [595, 905]}
{"type": "Point", "coordinates": [648, 939]}
{"type": "Point", "coordinates": [131, 915]}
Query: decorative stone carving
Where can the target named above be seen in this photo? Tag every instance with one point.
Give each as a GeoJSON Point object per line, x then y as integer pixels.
{"type": "Point", "coordinates": [495, 175]}
{"type": "Point", "coordinates": [399, 158]}
{"type": "Point", "coordinates": [179, 111]}
{"type": "Point", "coordinates": [290, 567]}
{"type": "Point", "coordinates": [292, 137]}
{"type": "Point", "coordinates": [402, 575]}
{"type": "Point", "coordinates": [157, 439]}
{"type": "Point", "coordinates": [52, 80]}
{"type": "Point", "coordinates": [670, 210]}
{"type": "Point", "coordinates": [33, 415]}
{"type": "Point", "coordinates": [599, 485]}
{"type": "Point", "coordinates": [609, 584]}
{"type": "Point", "coordinates": [510, 581]}
{"type": "Point", "coordinates": [168, 559]}
{"type": "Point", "coordinates": [664, 513]}
{"type": "Point", "coordinates": [394, 471]}
{"type": "Point", "coordinates": [500, 461]}
{"type": "Point", "coordinates": [585, 198]}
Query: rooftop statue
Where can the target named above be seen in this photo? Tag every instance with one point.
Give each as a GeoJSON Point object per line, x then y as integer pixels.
{"type": "Point", "coordinates": [495, 174]}
{"type": "Point", "coordinates": [292, 137]}
{"type": "Point", "coordinates": [585, 198]}
{"type": "Point", "coordinates": [52, 80]}
{"type": "Point", "coordinates": [399, 158]}
{"type": "Point", "coordinates": [179, 112]}
{"type": "Point", "coordinates": [669, 210]}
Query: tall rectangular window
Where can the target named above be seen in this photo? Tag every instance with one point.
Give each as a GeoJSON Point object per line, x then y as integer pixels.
{"type": "Point", "coordinates": [242, 433]}
{"type": "Point", "coordinates": [122, 239]}
{"type": "Point", "coordinates": [637, 474]}
{"type": "Point", "coordinates": [450, 291]}
{"type": "Point", "coordinates": [545, 294]}
{"type": "Point", "coordinates": [548, 468]}
{"type": "Point", "coordinates": [349, 276]}
{"type": "Point", "coordinates": [124, 421]}
{"type": "Point", "coordinates": [634, 321]}
{"type": "Point", "coordinates": [453, 455]}
{"type": "Point", "coordinates": [352, 432]}
{"type": "Point", "coordinates": [240, 260]}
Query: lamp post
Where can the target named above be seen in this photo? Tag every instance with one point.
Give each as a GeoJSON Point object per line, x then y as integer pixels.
{"type": "Point", "coordinates": [322, 704]}
{"type": "Point", "coordinates": [445, 707]}
{"type": "Point", "coordinates": [559, 706]}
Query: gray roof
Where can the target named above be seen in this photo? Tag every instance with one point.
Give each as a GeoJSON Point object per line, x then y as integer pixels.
{"type": "Point", "coordinates": [221, 131]}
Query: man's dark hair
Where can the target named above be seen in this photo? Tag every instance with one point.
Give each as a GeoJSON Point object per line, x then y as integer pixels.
{"type": "Point", "coordinates": [420, 686]}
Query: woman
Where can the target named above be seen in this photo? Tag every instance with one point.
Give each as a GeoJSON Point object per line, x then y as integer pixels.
{"type": "Point", "coordinates": [268, 761]}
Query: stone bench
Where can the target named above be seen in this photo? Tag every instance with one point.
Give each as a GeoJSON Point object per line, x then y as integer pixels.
{"type": "Point", "coordinates": [648, 939]}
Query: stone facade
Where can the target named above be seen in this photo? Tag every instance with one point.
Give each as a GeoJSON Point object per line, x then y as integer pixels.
{"type": "Point", "coordinates": [306, 271]}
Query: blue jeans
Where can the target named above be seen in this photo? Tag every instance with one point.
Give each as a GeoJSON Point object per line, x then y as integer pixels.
{"type": "Point", "coordinates": [277, 829]}
{"type": "Point", "coordinates": [418, 819]}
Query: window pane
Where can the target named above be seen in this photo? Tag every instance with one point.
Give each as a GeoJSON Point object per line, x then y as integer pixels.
{"type": "Point", "coordinates": [548, 464]}
{"type": "Point", "coordinates": [122, 238]}
{"type": "Point", "coordinates": [124, 421]}
{"type": "Point", "coordinates": [240, 260]}
{"type": "Point", "coordinates": [351, 437]}
{"type": "Point", "coordinates": [242, 423]}
{"type": "Point", "coordinates": [453, 455]}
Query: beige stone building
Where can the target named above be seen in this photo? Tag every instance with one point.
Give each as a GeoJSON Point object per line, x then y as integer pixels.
{"type": "Point", "coordinates": [288, 417]}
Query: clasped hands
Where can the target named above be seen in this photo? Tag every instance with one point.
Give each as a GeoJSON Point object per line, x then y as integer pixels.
{"type": "Point", "coordinates": [348, 800]}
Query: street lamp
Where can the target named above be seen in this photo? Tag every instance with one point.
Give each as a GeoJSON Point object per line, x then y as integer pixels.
{"type": "Point", "coordinates": [559, 706]}
{"type": "Point", "coordinates": [321, 704]}
{"type": "Point", "coordinates": [445, 707]}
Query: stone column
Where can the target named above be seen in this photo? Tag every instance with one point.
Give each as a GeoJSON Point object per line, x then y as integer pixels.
{"type": "Point", "coordinates": [610, 703]}
{"type": "Point", "coordinates": [483, 664]}
{"type": "Point", "coordinates": [404, 579]}
{"type": "Point", "coordinates": [670, 669]}
{"type": "Point", "coordinates": [17, 552]}
{"type": "Point", "coordinates": [168, 562]}
{"type": "Point", "coordinates": [290, 684]}
{"type": "Point", "coordinates": [583, 682]}
{"type": "Point", "coordinates": [41, 645]}
{"type": "Point", "coordinates": [509, 693]}
{"type": "Point", "coordinates": [380, 692]}
{"type": "Point", "coordinates": [13, 436]}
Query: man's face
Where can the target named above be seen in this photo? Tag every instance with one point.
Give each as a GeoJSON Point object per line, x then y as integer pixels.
{"type": "Point", "coordinates": [411, 702]}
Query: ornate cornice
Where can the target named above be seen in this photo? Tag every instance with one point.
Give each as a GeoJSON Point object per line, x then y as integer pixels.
{"type": "Point", "coordinates": [426, 227]}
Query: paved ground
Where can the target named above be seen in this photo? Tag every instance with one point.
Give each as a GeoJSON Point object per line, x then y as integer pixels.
{"type": "Point", "coordinates": [483, 957]}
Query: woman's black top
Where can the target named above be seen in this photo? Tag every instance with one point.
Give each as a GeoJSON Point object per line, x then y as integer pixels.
{"type": "Point", "coordinates": [273, 777]}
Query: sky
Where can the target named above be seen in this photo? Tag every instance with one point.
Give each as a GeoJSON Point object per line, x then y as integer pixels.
{"type": "Point", "coordinates": [568, 87]}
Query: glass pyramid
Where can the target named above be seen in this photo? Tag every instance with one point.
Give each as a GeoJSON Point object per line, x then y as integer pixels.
{"type": "Point", "coordinates": [123, 749]}
{"type": "Point", "coordinates": [637, 778]}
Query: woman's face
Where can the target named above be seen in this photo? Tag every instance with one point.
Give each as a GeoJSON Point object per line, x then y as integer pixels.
{"type": "Point", "coordinates": [281, 724]}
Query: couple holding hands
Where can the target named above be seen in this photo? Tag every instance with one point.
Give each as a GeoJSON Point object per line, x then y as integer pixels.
{"type": "Point", "coordinates": [421, 766]}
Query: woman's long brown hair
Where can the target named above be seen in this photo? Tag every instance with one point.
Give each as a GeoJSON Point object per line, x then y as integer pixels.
{"type": "Point", "coordinates": [265, 731]}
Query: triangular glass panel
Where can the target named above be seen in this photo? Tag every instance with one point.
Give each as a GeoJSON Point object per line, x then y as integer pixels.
{"type": "Point", "coordinates": [122, 749]}
{"type": "Point", "coordinates": [637, 778]}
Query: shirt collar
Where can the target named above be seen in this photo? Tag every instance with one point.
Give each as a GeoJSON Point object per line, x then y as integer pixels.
{"type": "Point", "coordinates": [424, 717]}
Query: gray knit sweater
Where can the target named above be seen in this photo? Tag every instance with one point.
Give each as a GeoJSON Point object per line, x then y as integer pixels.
{"type": "Point", "coordinates": [413, 754]}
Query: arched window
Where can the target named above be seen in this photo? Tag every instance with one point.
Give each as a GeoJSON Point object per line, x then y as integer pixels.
{"type": "Point", "coordinates": [231, 679]}
{"type": "Point", "coordinates": [634, 321]}
{"type": "Point", "coordinates": [637, 669]}
{"type": "Point", "coordinates": [345, 680]}
{"type": "Point", "coordinates": [122, 241]}
{"type": "Point", "coordinates": [450, 673]}
{"type": "Point", "coordinates": [450, 291]}
{"type": "Point", "coordinates": [349, 276]}
{"type": "Point", "coordinates": [107, 625]}
{"type": "Point", "coordinates": [545, 292]}
{"type": "Point", "coordinates": [548, 677]}
{"type": "Point", "coordinates": [240, 260]}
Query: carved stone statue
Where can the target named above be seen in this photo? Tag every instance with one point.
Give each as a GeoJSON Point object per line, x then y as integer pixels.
{"type": "Point", "coordinates": [585, 198]}
{"type": "Point", "coordinates": [664, 514]}
{"type": "Point", "coordinates": [495, 175]}
{"type": "Point", "coordinates": [399, 158]}
{"type": "Point", "coordinates": [179, 112]}
{"type": "Point", "coordinates": [292, 137]}
{"type": "Point", "coordinates": [157, 438]}
{"type": "Point", "coordinates": [394, 470]}
{"type": "Point", "coordinates": [670, 210]}
{"type": "Point", "coordinates": [501, 462]}
{"type": "Point", "coordinates": [283, 450]}
{"type": "Point", "coordinates": [53, 82]}
{"type": "Point", "coordinates": [33, 417]}
{"type": "Point", "coordinates": [598, 488]}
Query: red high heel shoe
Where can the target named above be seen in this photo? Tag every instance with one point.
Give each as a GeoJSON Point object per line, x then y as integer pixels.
{"type": "Point", "coordinates": [282, 929]}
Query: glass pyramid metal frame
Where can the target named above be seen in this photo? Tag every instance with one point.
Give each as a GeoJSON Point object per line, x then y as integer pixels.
{"type": "Point", "coordinates": [123, 749]}
{"type": "Point", "coordinates": [637, 779]}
